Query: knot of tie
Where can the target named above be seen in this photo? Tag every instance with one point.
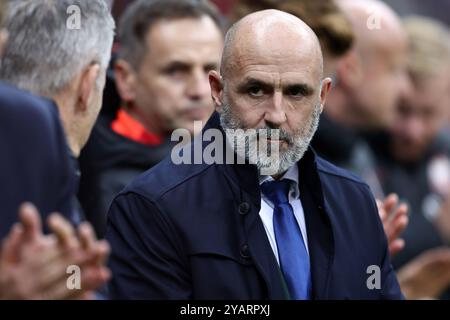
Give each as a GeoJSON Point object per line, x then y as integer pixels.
{"type": "Point", "coordinates": [276, 191]}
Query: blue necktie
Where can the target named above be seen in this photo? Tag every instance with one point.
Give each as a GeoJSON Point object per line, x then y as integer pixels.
{"type": "Point", "coordinates": [293, 257]}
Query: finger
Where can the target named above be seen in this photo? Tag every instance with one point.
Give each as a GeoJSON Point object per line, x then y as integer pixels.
{"type": "Point", "coordinates": [12, 244]}
{"type": "Point", "coordinates": [402, 210]}
{"type": "Point", "coordinates": [94, 278]}
{"type": "Point", "coordinates": [398, 225]}
{"type": "Point", "coordinates": [103, 251]}
{"type": "Point", "coordinates": [381, 211]}
{"type": "Point", "coordinates": [396, 246]}
{"type": "Point", "coordinates": [389, 203]}
{"type": "Point", "coordinates": [63, 230]}
{"type": "Point", "coordinates": [434, 258]}
{"type": "Point", "coordinates": [87, 236]}
{"type": "Point", "coordinates": [31, 221]}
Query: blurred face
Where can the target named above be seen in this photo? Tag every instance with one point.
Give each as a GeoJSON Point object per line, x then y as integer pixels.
{"type": "Point", "coordinates": [171, 88]}
{"type": "Point", "coordinates": [274, 88]}
{"type": "Point", "coordinates": [420, 117]}
{"type": "Point", "coordinates": [385, 82]}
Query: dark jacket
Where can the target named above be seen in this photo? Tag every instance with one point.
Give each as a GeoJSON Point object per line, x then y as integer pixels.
{"type": "Point", "coordinates": [108, 163]}
{"type": "Point", "coordinates": [34, 162]}
{"type": "Point", "coordinates": [194, 232]}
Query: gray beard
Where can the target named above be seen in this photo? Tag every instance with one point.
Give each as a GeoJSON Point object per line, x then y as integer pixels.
{"type": "Point", "coordinates": [298, 142]}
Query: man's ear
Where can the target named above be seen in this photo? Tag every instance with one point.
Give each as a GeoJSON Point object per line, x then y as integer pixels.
{"type": "Point", "coordinates": [87, 84]}
{"type": "Point", "coordinates": [216, 84]}
{"type": "Point", "coordinates": [326, 87]}
{"type": "Point", "coordinates": [125, 78]}
{"type": "Point", "coordinates": [349, 70]}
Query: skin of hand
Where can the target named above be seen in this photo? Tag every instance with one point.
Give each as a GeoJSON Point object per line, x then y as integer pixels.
{"type": "Point", "coordinates": [442, 221]}
{"type": "Point", "coordinates": [395, 219]}
{"type": "Point", "coordinates": [426, 276]}
{"type": "Point", "coordinates": [34, 266]}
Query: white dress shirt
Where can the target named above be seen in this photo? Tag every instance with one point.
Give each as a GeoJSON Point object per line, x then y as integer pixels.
{"type": "Point", "coordinates": [266, 212]}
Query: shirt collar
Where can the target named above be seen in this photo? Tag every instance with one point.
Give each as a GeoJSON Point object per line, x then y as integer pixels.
{"type": "Point", "coordinates": [292, 175]}
{"type": "Point", "coordinates": [128, 127]}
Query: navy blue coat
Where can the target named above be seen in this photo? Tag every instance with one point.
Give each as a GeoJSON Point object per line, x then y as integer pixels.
{"type": "Point", "coordinates": [34, 160]}
{"type": "Point", "coordinates": [194, 232]}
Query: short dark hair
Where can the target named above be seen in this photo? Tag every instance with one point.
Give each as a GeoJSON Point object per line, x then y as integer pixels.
{"type": "Point", "coordinates": [141, 15]}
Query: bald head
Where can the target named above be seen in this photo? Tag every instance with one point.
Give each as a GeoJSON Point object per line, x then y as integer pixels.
{"type": "Point", "coordinates": [376, 26]}
{"type": "Point", "coordinates": [273, 34]}
{"type": "Point", "coordinates": [372, 76]}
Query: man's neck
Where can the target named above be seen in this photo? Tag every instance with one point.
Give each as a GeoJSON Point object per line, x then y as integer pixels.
{"type": "Point", "coordinates": [69, 126]}
{"type": "Point", "coordinates": [150, 127]}
{"type": "Point", "coordinates": [278, 176]}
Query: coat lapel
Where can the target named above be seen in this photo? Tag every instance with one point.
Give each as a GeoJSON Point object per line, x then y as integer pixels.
{"type": "Point", "coordinates": [318, 225]}
{"type": "Point", "coordinates": [246, 181]}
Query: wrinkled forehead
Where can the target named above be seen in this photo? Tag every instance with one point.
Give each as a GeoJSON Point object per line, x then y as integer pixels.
{"type": "Point", "coordinates": [275, 69]}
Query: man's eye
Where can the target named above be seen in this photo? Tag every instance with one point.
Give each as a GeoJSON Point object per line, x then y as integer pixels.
{"type": "Point", "coordinates": [296, 92]}
{"type": "Point", "coordinates": [176, 71]}
{"type": "Point", "coordinates": [173, 71]}
{"type": "Point", "coordinates": [255, 91]}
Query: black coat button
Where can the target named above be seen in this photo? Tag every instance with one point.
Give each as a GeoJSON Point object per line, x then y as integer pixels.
{"type": "Point", "coordinates": [245, 252]}
{"type": "Point", "coordinates": [244, 208]}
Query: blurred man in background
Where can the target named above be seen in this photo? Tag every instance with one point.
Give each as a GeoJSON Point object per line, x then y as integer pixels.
{"type": "Point", "coordinates": [370, 79]}
{"type": "Point", "coordinates": [68, 66]}
{"type": "Point", "coordinates": [414, 161]}
{"type": "Point", "coordinates": [35, 167]}
{"type": "Point", "coordinates": [166, 49]}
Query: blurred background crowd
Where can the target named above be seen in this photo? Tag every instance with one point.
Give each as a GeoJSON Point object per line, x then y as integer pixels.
{"type": "Point", "coordinates": [114, 101]}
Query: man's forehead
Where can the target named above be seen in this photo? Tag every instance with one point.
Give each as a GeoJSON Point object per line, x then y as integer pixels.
{"type": "Point", "coordinates": [277, 57]}
{"type": "Point", "coordinates": [275, 76]}
{"type": "Point", "coordinates": [175, 34]}
{"type": "Point", "coordinates": [287, 67]}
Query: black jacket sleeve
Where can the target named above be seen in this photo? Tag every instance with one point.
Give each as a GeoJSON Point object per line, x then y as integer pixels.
{"type": "Point", "coordinates": [146, 260]}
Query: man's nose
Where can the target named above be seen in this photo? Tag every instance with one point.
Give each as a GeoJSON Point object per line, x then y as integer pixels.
{"type": "Point", "coordinates": [198, 85]}
{"type": "Point", "coordinates": [275, 115]}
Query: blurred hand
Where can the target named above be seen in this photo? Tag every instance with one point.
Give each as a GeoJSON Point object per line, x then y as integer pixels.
{"type": "Point", "coordinates": [395, 219]}
{"type": "Point", "coordinates": [442, 221]}
{"type": "Point", "coordinates": [426, 276]}
{"type": "Point", "coordinates": [33, 266]}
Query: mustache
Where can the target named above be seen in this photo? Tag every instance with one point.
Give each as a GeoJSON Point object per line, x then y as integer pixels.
{"type": "Point", "coordinates": [270, 133]}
